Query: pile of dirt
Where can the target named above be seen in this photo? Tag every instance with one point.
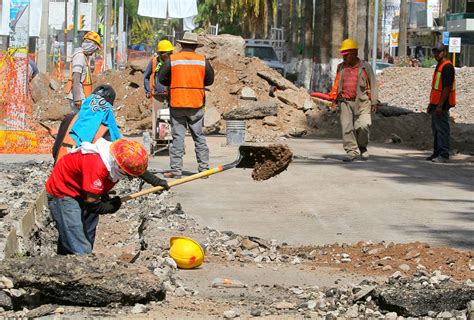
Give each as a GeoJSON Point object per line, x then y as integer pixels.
{"type": "Point", "coordinates": [240, 82]}
{"type": "Point", "coordinates": [410, 88]}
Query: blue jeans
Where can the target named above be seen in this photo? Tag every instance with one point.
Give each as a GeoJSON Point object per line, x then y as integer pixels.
{"type": "Point", "coordinates": [75, 225]}
{"type": "Point", "coordinates": [440, 129]}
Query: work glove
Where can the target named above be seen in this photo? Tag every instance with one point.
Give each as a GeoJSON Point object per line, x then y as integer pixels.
{"type": "Point", "coordinates": [104, 206]}
{"type": "Point", "coordinates": [150, 178]}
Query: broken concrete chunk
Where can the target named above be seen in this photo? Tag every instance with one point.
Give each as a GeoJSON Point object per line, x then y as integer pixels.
{"type": "Point", "coordinates": [276, 79]}
{"type": "Point", "coordinates": [270, 121]}
{"type": "Point", "coordinates": [248, 244]}
{"type": "Point", "coordinates": [53, 85]}
{"type": "Point", "coordinates": [5, 283]}
{"type": "Point", "coordinates": [84, 280]}
{"type": "Point", "coordinates": [362, 293]}
{"type": "Point", "coordinates": [139, 308]}
{"type": "Point", "coordinates": [212, 117]}
{"type": "Point", "coordinates": [293, 98]}
{"type": "Point", "coordinates": [248, 93]}
{"type": "Point", "coordinates": [410, 302]}
{"type": "Point", "coordinates": [41, 311]}
{"type": "Point", "coordinates": [231, 314]}
{"type": "Point", "coordinates": [284, 305]}
{"type": "Point", "coordinates": [252, 110]}
{"type": "Point", "coordinates": [5, 301]}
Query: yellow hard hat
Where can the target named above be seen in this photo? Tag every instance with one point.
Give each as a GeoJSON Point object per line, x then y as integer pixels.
{"type": "Point", "coordinates": [93, 36]}
{"type": "Point", "coordinates": [165, 46]}
{"type": "Point", "coordinates": [186, 252]}
{"type": "Point", "coordinates": [348, 44]}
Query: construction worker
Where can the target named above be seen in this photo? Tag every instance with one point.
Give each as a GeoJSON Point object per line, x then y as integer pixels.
{"type": "Point", "coordinates": [79, 84]}
{"type": "Point", "coordinates": [187, 73]}
{"type": "Point", "coordinates": [355, 92]}
{"type": "Point", "coordinates": [154, 90]}
{"type": "Point", "coordinates": [79, 184]}
{"type": "Point", "coordinates": [95, 120]}
{"type": "Point", "coordinates": [442, 98]}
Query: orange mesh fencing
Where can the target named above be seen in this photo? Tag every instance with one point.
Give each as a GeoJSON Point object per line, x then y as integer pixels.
{"type": "Point", "coordinates": [19, 132]}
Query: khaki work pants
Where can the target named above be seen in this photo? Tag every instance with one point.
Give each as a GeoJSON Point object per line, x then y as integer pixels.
{"type": "Point", "coordinates": [156, 105]}
{"type": "Point", "coordinates": [355, 123]}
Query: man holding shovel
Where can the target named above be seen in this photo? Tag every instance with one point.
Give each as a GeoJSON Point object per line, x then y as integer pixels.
{"type": "Point", "coordinates": [79, 184]}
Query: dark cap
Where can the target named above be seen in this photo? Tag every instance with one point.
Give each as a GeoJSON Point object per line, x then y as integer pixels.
{"type": "Point", "coordinates": [439, 47]}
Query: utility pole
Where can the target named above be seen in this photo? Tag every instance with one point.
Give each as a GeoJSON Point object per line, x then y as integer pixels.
{"type": "Point", "coordinates": [402, 43]}
{"type": "Point", "coordinates": [65, 32]}
{"type": "Point", "coordinates": [374, 45]}
{"type": "Point", "coordinates": [43, 41]}
{"type": "Point", "coordinates": [384, 17]}
{"type": "Point", "coordinates": [120, 34]}
{"type": "Point", "coordinates": [75, 22]}
{"type": "Point", "coordinates": [106, 33]}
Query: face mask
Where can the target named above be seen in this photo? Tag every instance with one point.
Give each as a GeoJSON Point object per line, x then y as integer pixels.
{"type": "Point", "coordinates": [89, 47]}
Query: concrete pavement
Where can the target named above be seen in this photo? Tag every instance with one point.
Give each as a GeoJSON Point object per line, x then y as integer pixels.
{"type": "Point", "coordinates": [395, 196]}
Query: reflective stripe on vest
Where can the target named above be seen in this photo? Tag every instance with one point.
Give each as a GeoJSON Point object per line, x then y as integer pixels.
{"type": "Point", "coordinates": [152, 76]}
{"type": "Point", "coordinates": [68, 142]}
{"type": "Point", "coordinates": [86, 84]}
{"type": "Point", "coordinates": [187, 80]}
{"type": "Point", "coordinates": [437, 86]}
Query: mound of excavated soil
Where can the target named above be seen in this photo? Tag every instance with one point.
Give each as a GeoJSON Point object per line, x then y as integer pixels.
{"type": "Point", "coordinates": [270, 161]}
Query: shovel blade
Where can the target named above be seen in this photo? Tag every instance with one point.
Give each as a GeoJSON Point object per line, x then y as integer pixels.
{"type": "Point", "coordinates": [248, 156]}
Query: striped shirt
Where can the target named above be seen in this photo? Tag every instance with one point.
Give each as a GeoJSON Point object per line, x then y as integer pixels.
{"type": "Point", "coordinates": [350, 78]}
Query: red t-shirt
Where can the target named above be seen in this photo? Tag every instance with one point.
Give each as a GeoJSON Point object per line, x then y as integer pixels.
{"type": "Point", "coordinates": [76, 174]}
{"type": "Point", "coordinates": [350, 79]}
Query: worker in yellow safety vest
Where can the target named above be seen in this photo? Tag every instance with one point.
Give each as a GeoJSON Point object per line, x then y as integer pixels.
{"type": "Point", "coordinates": [154, 90]}
{"type": "Point", "coordinates": [79, 84]}
{"type": "Point", "coordinates": [187, 73]}
{"type": "Point", "coordinates": [442, 98]}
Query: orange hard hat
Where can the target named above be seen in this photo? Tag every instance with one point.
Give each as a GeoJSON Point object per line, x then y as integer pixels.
{"type": "Point", "coordinates": [130, 156]}
{"type": "Point", "coordinates": [93, 36]}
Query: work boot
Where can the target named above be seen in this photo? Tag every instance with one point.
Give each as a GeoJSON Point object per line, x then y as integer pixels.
{"type": "Point", "coordinates": [172, 175]}
{"type": "Point", "coordinates": [431, 157]}
{"type": "Point", "coordinates": [351, 157]}
{"type": "Point", "coordinates": [364, 154]}
{"type": "Point", "coordinates": [440, 159]}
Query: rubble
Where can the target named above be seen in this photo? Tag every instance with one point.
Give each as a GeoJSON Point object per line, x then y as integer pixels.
{"type": "Point", "coordinates": [409, 88]}
{"type": "Point", "coordinates": [83, 280]}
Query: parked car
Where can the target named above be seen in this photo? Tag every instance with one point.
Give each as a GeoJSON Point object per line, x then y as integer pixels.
{"type": "Point", "coordinates": [265, 52]}
{"type": "Point", "coordinates": [380, 65]}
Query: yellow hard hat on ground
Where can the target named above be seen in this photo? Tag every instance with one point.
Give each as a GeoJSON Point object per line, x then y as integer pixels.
{"type": "Point", "coordinates": [186, 252]}
{"type": "Point", "coordinates": [165, 46]}
{"type": "Point", "coordinates": [348, 44]}
{"type": "Point", "coordinates": [92, 36]}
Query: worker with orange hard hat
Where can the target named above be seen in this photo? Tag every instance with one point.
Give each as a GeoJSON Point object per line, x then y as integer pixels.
{"type": "Point", "coordinates": [79, 184]}
{"type": "Point", "coordinates": [79, 84]}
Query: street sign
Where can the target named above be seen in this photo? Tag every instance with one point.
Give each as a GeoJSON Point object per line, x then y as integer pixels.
{"type": "Point", "coordinates": [455, 45]}
{"type": "Point", "coordinates": [446, 38]}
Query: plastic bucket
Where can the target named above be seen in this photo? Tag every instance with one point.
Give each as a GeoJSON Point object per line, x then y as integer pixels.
{"type": "Point", "coordinates": [235, 132]}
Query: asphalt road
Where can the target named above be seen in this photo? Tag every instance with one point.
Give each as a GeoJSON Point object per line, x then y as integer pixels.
{"type": "Point", "coordinates": [395, 196]}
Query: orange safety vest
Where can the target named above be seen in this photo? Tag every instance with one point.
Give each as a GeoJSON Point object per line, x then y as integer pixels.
{"type": "Point", "coordinates": [68, 141]}
{"type": "Point", "coordinates": [86, 84]}
{"type": "Point", "coordinates": [437, 87]}
{"type": "Point", "coordinates": [187, 80]}
{"type": "Point", "coordinates": [154, 61]}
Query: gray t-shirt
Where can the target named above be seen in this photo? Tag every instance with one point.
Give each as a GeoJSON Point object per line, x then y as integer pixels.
{"type": "Point", "coordinates": [79, 65]}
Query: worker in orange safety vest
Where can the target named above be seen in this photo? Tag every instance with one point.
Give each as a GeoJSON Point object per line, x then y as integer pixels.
{"type": "Point", "coordinates": [442, 98]}
{"type": "Point", "coordinates": [79, 84]}
{"type": "Point", "coordinates": [187, 73]}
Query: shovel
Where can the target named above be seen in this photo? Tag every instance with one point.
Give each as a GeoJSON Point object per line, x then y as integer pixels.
{"type": "Point", "coordinates": [246, 159]}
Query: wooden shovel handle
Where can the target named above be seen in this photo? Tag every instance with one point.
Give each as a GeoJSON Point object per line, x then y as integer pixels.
{"type": "Point", "coordinates": [174, 183]}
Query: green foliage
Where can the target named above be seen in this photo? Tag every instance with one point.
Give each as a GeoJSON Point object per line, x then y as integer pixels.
{"type": "Point", "coordinates": [428, 62]}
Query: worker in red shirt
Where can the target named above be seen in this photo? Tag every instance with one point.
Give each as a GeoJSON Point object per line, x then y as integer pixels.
{"type": "Point", "coordinates": [355, 92]}
{"type": "Point", "coordinates": [79, 184]}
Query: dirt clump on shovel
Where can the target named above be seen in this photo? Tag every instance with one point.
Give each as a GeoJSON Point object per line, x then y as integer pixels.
{"type": "Point", "coordinates": [270, 161]}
